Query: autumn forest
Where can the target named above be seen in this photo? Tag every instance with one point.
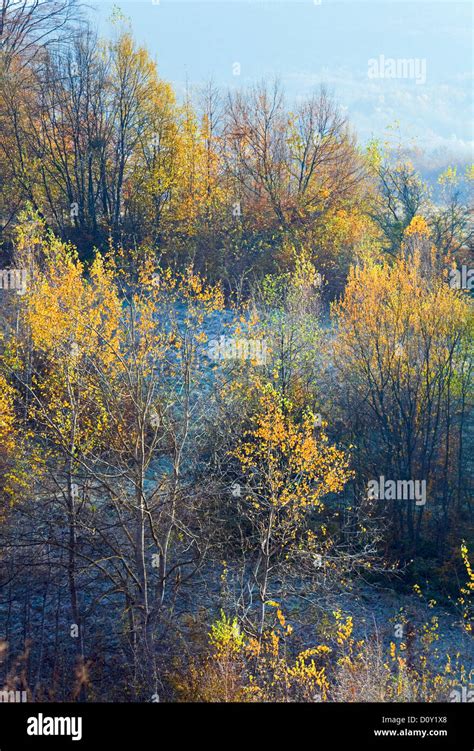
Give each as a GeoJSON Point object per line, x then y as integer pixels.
{"type": "Point", "coordinates": [236, 361]}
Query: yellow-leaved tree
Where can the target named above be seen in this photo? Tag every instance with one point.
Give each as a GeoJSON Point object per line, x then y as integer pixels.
{"type": "Point", "coordinates": [403, 353]}
{"type": "Point", "coordinates": [287, 466]}
{"type": "Point", "coordinates": [13, 478]}
{"type": "Point", "coordinates": [69, 330]}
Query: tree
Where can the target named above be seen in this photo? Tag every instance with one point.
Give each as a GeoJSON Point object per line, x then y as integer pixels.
{"type": "Point", "coordinates": [399, 197]}
{"type": "Point", "coordinates": [27, 28]}
{"type": "Point", "coordinates": [402, 352]}
{"type": "Point", "coordinates": [285, 472]}
{"type": "Point", "coordinates": [108, 372]}
{"type": "Point", "coordinates": [94, 137]}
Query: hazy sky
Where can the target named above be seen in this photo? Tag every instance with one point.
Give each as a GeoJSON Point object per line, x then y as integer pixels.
{"type": "Point", "coordinates": [305, 43]}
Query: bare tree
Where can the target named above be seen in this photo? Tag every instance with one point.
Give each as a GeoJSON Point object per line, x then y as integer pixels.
{"type": "Point", "coordinates": [27, 26]}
